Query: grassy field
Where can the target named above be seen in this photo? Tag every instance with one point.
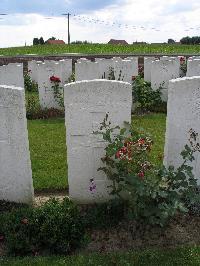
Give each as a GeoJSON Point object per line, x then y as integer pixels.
{"type": "Point", "coordinates": [48, 148]}
{"type": "Point", "coordinates": [181, 257]}
{"type": "Point", "coordinates": [102, 49]}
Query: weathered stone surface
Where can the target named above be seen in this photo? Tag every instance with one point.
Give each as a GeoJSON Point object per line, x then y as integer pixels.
{"type": "Point", "coordinates": [105, 66]}
{"type": "Point", "coordinates": [66, 70]}
{"type": "Point", "coordinates": [33, 69]}
{"type": "Point", "coordinates": [124, 70]}
{"type": "Point", "coordinates": [86, 105]}
{"type": "Point", "coordinates": [183, 113]}
{"type": "Point", "coordinates": [161, 72]}
{"type": "Point", "coordinates": [193, 67]}
{"type": "Point", "coordinates": [147, 68]}
{"type": "Point", "coordinates": [15, 166]}
{"type": "Point", "coordinates": [46, 93]}
{"type": "Point", "coordinates": [87, 70]}
{"type": "Point", "coordinates": [12, 75]}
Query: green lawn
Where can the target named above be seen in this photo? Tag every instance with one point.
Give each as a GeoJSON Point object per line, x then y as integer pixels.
{"type": "Point", "coordinates": [102, 49]}
{"type": "Point", "coordinates": [179, 257]}
{"type": "Point", "coordinates": [48, 148]}
{"type": "Point", "coordinates": [48, 153]}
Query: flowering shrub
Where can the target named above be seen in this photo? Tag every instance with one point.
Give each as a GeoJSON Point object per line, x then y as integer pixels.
{"type": "Point", "coordinates": [58, 90]}
{"type": "Point", "coordinates": [144, 97]}
{"type": "Point", "coordinates": [153, 194]}
{"type": "Point", "coordinates": [29, 85]}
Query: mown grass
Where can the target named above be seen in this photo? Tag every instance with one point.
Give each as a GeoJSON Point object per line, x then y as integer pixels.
{"type": "Point", "coordinates": [48, 153]}
{"type": "Point", "coordinates": [154, 125]}
{"type": "Point", "coordinates": [48, 148]}
{"type": "Point", "coordinates": [102, 49]}
{"type": "Point", "coordinates": [189, 256]}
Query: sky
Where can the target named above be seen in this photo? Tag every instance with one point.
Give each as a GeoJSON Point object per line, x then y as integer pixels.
{"type": "Point", "coordinates": [98, 21]}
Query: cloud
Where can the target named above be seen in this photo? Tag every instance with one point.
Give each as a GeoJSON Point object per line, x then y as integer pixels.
{"type": "Point", "coordinates": [47, 7]}
{"type": "Point", "coordinates": [151, 21]}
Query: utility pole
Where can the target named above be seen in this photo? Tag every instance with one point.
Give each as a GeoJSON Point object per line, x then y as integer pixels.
{"type": "Point", "coordinates": [68, 15]}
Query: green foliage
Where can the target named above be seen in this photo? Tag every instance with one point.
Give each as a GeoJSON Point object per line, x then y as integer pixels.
{"type": "Point", "coordinates": [155, 194]}
{"type": "Point", "coordinates": [29, 85]}
{"type": "Point", "coordinates": [104, 215]}
{"type": "Point", "coordinates": [55, 227]}
{"type": "Point", "coordinates": [47, 141]}
{"type": "Point", "coordinates": [102, 49]}
{"type": "Point", "coordinates": [184, 256]}
{"type": "Point", "coordinates": [144, 97]}
{"type": "Point", "coordinates": [58, 93]}
{"type": "Point", "coordinates": [190, 40]}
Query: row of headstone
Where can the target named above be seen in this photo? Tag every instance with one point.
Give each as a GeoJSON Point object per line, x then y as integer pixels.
{"type": "Point", "coordinates": [123, 70]}
{"type": "Point", "coordinates": [193, 66]}
{"type": "Point", "coordinates": [40, 72]}
{"type": "Point", "coordinates": [86, 105]}
{"type": "Point", "coordinates": [160, 71]}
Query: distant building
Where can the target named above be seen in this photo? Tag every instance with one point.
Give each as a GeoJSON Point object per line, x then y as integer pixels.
{"type": "Point", "coordinates": [139, 42]}
{"type": "Point", "coordinates": [121, 42]}
{"type": "Point", "coordinates": [55, 42]}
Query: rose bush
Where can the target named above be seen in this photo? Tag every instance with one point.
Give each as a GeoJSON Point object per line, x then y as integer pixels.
{"type": "Point", "coordinates": [153, 194]}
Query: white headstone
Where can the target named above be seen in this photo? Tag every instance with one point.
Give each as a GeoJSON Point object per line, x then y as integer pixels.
{"type": "Point", "coordinates": [46, 93]}
{"type": "Point", "coordinates": [87, 70]}
{"type": "Point", "coordinates": [12, 75]}
{"type": "Point", "coordinates": [66, 69]}
{"type": "Point", "coordinates": [15, 166]}
{"type": "Point", "coordinates": [193, 67]}
{"type": "Point", "coordinates": [147, 68]}
{"type": "Point", "coordinates": [161, 72]}
{"type": "Point", "coordinates": [183, 114]}
{"type": "Point", "coordinates": [125, 69]}
{"type": "Point", "coordinates": [33, 69]}
{"type": "Point", "coordinates": [105, 66]}
{"type": "Point", "coordinates": [86, 105]}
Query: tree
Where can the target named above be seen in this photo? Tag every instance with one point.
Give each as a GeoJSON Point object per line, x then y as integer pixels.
{"type": "Point", "coordinates": [41, 40]}
{"type": "Point", "coordinates": [36, 41]}
{"type": "Point", "coordinates": [170, 41]}
{"type": "Point", "coordinates": [52, 38]}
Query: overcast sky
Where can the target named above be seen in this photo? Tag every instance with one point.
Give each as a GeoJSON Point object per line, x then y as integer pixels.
{"type": "Point", "coordinates": [98, 21]}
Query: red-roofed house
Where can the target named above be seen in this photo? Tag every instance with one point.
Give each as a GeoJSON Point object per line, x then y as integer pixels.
{"type": "Point", "coordinates": [113, 41]}
{"type": "Point", "coordinates": [55, 42]}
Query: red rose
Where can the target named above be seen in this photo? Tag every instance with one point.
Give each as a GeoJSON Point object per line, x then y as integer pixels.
{"type": "Point", "coordinates": [141, 141]}
{"type": "Point", "coordinates": [55, 79]}
{"type": "Point", "coordinates": [141, 175]}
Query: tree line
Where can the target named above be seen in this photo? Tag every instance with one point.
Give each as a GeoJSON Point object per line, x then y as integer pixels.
{"type": "Point", "coordinates": [37, 41]}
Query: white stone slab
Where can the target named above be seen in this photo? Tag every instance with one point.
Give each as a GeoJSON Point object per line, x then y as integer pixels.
{"type": "Point", "coordinates": [33, 69]}
{"type": "Point", "coordinates": [15, 167]}
{"type": "Point", "coordinates": [105, 66]}
{"type": "Point", "coordinates": [12, 75]}
{"type": "Point", "coordinates": [183, 113]}
{"type": "Point", "coordinates": [161, 72]}
{"type": "Point", "coordinates": [193, 67]}
{"type": "Point", "coordinates": [86, 105]}
{"type": "Point", "coordinates": [87, 70]}
{"type": "Point", "coordinates": [46, 93]}
{"type": "Point", "coordinates": [147, 68]}
{"type": "Point", "coordinates": [66, 70]}
{"type": "Point", "coordinates": [124, 70]}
